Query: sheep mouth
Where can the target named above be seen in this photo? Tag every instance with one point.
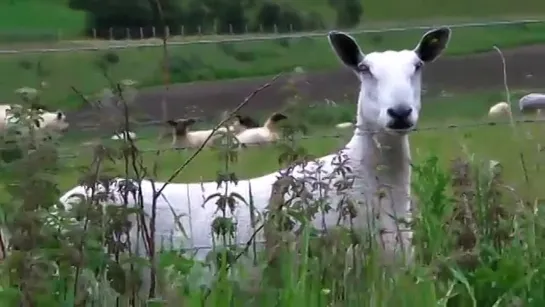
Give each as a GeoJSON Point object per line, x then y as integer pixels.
{"type": "Point", "coordinates": [403, 131]}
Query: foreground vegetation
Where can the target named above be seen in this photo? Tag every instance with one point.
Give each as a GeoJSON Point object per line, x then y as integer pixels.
{"type": "Point", "coordinates": [478, 229]}
{"type": "Point", "coordinates": [220, 61]}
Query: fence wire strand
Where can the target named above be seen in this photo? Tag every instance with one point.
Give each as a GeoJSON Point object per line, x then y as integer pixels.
{"type": "Point", "coordinates": [108, 46]}
{"type": "Point", "coordinates": [333, 136]}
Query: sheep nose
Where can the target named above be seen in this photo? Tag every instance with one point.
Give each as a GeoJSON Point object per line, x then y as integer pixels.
{"type": "Point", "coordinates": [399, 112]}
{"type": "Point", "coordinates": [400, 117]}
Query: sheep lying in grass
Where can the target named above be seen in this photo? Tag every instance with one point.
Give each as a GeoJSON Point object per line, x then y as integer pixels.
{"type": "Point", "coordinates": [500, 109]}
{"type": "Point", "coordinates": [268, 133]}
{"type": "Point", "coordinates": [378, 156]}
{"type": "Point", "coordinates": [48, 122]}
{"type": "Point", "coordinates": [182, 137]}
{"type": "Point", "coordinates": [241, 123]}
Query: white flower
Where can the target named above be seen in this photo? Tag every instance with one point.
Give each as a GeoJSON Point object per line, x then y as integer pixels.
{"type": "Point", "coordinates": [28, 92]}
{"type": "Point", "coordinates": [128, 82]}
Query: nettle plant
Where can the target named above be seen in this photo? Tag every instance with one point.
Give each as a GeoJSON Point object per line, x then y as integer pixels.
{"type": "Point", "coordinates": [54, 256]}
{"type": "Point", "coordinates": [34, 252]}
{"type": "Point", "coordinates": [99, 228]}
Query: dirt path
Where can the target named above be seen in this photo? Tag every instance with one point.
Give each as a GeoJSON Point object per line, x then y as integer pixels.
{"type": "Point", "coordinates": [525, 65]}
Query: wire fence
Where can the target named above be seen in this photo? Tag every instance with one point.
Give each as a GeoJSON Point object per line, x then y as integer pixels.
{"type": "Point", "coordinates": [476, 124]}
{"type": "Point", "coordinates": [112, 45]}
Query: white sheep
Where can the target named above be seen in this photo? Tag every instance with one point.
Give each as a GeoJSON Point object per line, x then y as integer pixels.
{"type": "Point", "coordinates": [48, 121]}
{"type": "Point", "coordinates": [499, 109]}
{"type": "Point", "coordinates": [378, 155]}
{"type": "Point", "coordinates": [182, 137]}
{"type": "Point", "coordinates": [532, 102]}
{"type": "Point", "coordinates": [241, 123]}
{"type": "Point", "coordinates": [53, 121]}
{"type": "Point", "coordinates": [268, 133]}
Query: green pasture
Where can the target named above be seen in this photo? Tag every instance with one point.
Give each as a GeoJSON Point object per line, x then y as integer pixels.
{"type": "Point", "coordinates": [197, 62]}
{"type": "Point", "coordinates": [43, 20]}
{"type": "Point", "coordinates": [499, 142]}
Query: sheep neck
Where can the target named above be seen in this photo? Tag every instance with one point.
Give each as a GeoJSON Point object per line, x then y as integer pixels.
{"type": "Point", "coordinates": [381, 155]}
{"type": "Point", "coordinates": [380, 158]}
{"type": "Point", "coordinates": [381, 167]}
{"type": "Point", "coordinates": [380, 161]}
{"type": "Point", "coordinates": [270, 126]}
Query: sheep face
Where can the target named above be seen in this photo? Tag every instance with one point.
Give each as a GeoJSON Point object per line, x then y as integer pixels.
{"type": "Point", "coordinates": [276, 117]}
{"type": "Point", "coordinates": [273, 120]}
{"type": "Point", "coordinates": [390, 89]}
{"type": "Point", "coordinates": [181, 126]}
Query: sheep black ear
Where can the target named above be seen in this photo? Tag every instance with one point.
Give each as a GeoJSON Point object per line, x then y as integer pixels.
{"type": "Point", "coordinates": [346, 48]}
{"type": "Point", "coordinates": [432, 44]}
{"type": "Point", "coordinates": [172, 122]}
{"type": "Point", "coordinates": [276, 117]}
{"type": "Point", "coordinates": [250, 122]}
{"type": "Point", "coordinates": [60, 115]}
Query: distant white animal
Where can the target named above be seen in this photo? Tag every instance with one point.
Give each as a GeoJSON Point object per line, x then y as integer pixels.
{"type": "Point", "coordinates": [532, 102]}
{"type": "Point", "coordinates": [48, 121]}
{"type": "Point", "coordinates": [270, 132]}
{"type": "Point", "coordinates": [345, 125]}
{"type": "Point", "coordinates": [499, 109]}
{"type": "Point", "coordinates": [378, 156]}
{"type": "Point", "coordinates": [124, 135]}
{"type": "Point", "coordinates": [182, 137]}
{"type": "Point", "coordinates": [241, 123]}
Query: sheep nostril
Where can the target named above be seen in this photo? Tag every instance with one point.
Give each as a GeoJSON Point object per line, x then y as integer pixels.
{"type": "Point", "coordinates": [400, 112]}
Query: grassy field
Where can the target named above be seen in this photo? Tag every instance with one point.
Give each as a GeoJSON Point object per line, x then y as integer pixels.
{"type": "Point", "coordinates": [226, 60]}
{"type": "Point", "coordinates": [494, 142]}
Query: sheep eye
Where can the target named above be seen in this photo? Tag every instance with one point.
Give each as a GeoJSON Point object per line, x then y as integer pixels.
{"type": "Point", "coordinates": [418, 66]}
{"type": "Point", "coordinates": [364, 68]}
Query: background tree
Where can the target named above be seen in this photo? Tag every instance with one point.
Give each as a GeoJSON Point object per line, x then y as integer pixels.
{"type": "Point", "coordinates": [348, 12]}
